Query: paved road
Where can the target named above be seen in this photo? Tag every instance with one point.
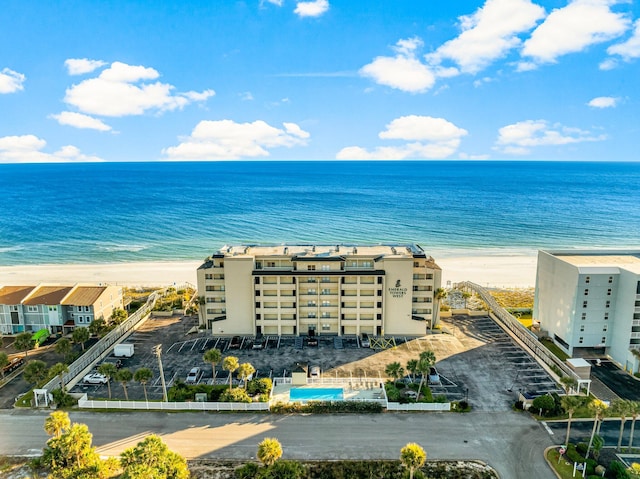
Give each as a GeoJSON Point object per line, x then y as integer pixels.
{"type": "Point", "coordinates": [510, 442]}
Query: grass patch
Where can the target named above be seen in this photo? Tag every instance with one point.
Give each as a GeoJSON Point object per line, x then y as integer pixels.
{"type": "Point", "coordinates": [551, 346]}
{"type": "Point", "coordinates": [564, 468]}
{"type": "Point", "coordinates": [25, 400]}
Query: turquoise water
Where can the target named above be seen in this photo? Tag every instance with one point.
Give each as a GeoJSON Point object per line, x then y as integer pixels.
{"type": "Point", "coordinates": [119, 212]}
{"type": "Point", "coordinates": [316, 394]}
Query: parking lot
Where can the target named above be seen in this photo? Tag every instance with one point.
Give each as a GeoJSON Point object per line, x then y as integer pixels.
{"type": "Point", "coordinates": [476, 360]}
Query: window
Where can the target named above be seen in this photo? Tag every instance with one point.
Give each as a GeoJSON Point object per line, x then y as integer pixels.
{"type": "Point", "coordinates": [326, 279]}
{"type": "Point", "coordinates": [257, 304]}
{"type": "Point", "coordinates": [32, 309]}
{"type": "Point", "coordinates": [607, 304]}
{"type": "Point", "coordinates": [606, 316]}
{"type": "Point", "coordinates": [604, 328]}
{"type": "Point", "coordinates": [584, 316]}
{"type": "Point", "coordinates": [311, 303]}
{"type": "Point", "coordinates": [587, 279]}
{"type": "Point", "coordinates": [257, 316]}
{"type": "Point", "coordinates": [311, 267]}
{"type": "Point", "coordinates": [581, 340]}
{"type": "Point", "coordinates": [604, 339]}
{"type": "Point", "coordinates": [429, 276]}
{"type": "Point", "coordinates": [326, 327]}
{"type": "Point", "coordinates": [582, 328]}
{"type": "Point", "coordinates": [271, 264]}
{"type": "Point", "coordinates": [326, 315]}
{"type": "Point", "coordinates": [208, 276]}
{"type": "Point", "coordinates": [326, 267]}
{"type": "Point", "coordinates": [208, 288]}
{"type": "Point", "coordinates": [609, 292]}
{"type": "Point", "coordinates": [210, 300]}
{"type": "Point", "coordinates": [584, 304]}
{"type": "Point", "coordinates": [610, 279]}
{"type": "Point", "coordinates": [416, 264]}
{"type": "Point", "coordinates": [586, 292]}
{"type": "Point", "coordinates": [326, 291]}
{"type": "Point", "coordinates": [311, 315]}
{"type": "Point", "coordinates": [79, 308]}
{"type": "Point", "coordinates": [326, 303]}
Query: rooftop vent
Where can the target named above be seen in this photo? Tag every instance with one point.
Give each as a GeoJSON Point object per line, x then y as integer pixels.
{"type": "Point", "coordinates": [286, 250]}
{"type": "Point", "coordinates": [355, 250]}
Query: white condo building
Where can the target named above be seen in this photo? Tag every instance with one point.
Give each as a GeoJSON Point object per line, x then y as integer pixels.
{"type": "Point", "coordinates": [332, 290]}
{"type": "Point", "coordinates": [591, 299]}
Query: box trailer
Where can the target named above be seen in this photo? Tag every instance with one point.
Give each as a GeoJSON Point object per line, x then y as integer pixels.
{"type": "Point", "coordinates": [123, 350]}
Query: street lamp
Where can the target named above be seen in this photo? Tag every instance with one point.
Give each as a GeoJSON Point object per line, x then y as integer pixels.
{"type": "Point", "coordinates": [158, 351]}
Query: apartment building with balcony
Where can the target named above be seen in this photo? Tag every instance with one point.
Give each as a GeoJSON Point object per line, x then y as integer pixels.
{"type": "Point", "coordinates": [58, 308]}
{"type": "Point", "coordinates": [591, 299]}
{"type": "Point", "coordinates": [332, 290]}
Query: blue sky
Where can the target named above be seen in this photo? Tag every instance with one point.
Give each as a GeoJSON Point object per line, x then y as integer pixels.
{"type": "Point", "coordinates": [91, 80]}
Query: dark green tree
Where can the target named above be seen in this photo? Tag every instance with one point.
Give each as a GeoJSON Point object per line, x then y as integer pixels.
{"type": "Point", "coordinates": [118, 316]}
{"type": "Point", "coordinates": [230, 364]}
{"type": "Point", "coordinates": [109, 371]}
{"type": "Point", "coordinates": [80, 336]}
{"type": "Point", "coordinates": [143, 376]}
{"type": "Point", "coordinates": [152, 459]}
{"type": "Point", "coordinates": [64, 348]}
{"type": "Point", "coordinates": [544, 403]}
{"type": "Point", "coordinates": [59, 369]}
{"type": "Point", "coordinates": [123, 377]}
{"type": "Point", "coordinates": [23, 342]}
{"type": "Point", "coordinates": [212, 356]}
{"type": "Point", "coordinates": [35, 371]}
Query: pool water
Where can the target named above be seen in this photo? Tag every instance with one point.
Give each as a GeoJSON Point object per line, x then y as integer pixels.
{"type": "Point", "coordinates": [316, 394]}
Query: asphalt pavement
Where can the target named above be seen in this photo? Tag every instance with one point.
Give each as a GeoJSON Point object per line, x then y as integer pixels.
{"type": "Point", "coordinates": [510, 442]}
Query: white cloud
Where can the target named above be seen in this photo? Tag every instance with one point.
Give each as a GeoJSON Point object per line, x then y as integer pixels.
{"type": "Point", "coordinates": [573, 29]}
{"type": "Point", "coordinates": [274, 2]}
{"type": "Point", "coordinates": [314, 8]}
{"type": "Point", "coordinates": [79, 66]}
{"type": "Point", "coordinates": [488, 34]}
{"type": "Point", "coordinates": [608, 64]}
{"type": "Point", "coordinates": [431, 138]}
{"type": "Point", "coordinates": [246, 96]}
{"type": "Point", "coordinates": [603, 102]}
{"type": "Point", "coordinates": [228, 140]}
{"type": "Point", "coordinates": [631, 48]}
{"type": "Point", "coordinates": [518, 138]}
{"type": "Point", "coordinates": [11, 81]}
{"type": "Point", "coordinates": [27, 149]}
{"type": "Point", "coordinates": [79, 120]}
{"type": "Point", "coordinates": [121, 90]}
{"type": "Point", "coordinates": [404, 71]}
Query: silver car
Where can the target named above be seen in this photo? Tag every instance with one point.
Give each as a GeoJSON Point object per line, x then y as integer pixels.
{"type": "Point", "coordinates": [95, 378]}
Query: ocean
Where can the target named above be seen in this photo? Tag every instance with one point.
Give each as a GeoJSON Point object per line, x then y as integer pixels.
{"type": "Point", "coordinates": [162, 211]}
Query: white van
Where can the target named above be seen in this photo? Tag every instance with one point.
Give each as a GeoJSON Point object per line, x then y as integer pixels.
{"type": "Point", "coordinates": [364, 340]}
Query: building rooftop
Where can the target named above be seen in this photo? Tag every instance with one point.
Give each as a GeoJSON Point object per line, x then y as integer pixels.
{"type": "Point", "coordinates": [13, 295]}
{"type": "Point", "coordinates": [601, 261]}
{"type": "Point", "coordinates": [84, 295]}
{"type": "Point", "coordinates": [48, 295]}
{"type": "Point", "coordinates": [324, 251]}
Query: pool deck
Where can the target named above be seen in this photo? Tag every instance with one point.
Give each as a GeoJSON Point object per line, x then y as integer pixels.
{"type": "Point", "coordinates": [353, 390]}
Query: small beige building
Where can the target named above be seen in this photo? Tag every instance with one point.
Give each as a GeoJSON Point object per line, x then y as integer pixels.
{"type": "Point", "coordinates": [331, 290]}
{"type": "Point", "coordinates": [58, 308]}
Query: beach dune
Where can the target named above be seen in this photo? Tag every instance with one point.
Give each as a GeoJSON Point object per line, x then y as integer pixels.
{"type": "Point", "coordinates": [510, 271]}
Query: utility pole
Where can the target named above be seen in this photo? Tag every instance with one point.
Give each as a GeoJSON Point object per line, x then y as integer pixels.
{"type": "Point", "coordinates": [158, 351]}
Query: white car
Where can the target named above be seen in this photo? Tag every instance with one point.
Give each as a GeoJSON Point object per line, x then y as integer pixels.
{"type": "Point", "coordinates": [194, 376]}
{"type": "Point", "coordinates": [95, 378]}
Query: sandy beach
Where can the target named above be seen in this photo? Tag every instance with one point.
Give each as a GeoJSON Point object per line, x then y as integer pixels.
{"type": "Point", "coordinates": [493, 271]}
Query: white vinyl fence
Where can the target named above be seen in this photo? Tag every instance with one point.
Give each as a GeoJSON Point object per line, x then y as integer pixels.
{"type": "Point", "coordinates": [83, 402]}
{"type": "Point", "coordinates": [419, 406]}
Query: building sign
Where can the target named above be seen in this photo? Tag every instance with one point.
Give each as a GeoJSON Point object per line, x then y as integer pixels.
{"type": "Point", "coordinates": [397, 291]}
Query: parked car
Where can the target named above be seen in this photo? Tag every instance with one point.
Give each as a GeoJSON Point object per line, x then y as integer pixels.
{"type": "Point", "coordinates": [434, 377]}
{"type": "Point", "coordinates": [314, 371]}
{"type": "Point", "coordinates": [194, 376]}
{"type": "Point", "coordinates": [258, 343]}
{"type": "Point", "coordinates": [95, 378]}
{"type": "Point", "coordinates": [14, 364]}
{"type": "Point", "coordinates": [364, 340]}
{"type": "Point", "coordinates": [313, 339]}
{"type": "Point", "coordinates": [235, 343]}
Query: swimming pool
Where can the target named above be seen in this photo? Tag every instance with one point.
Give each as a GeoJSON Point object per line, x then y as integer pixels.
{"type": "Point", "coordinates": [316, 394]}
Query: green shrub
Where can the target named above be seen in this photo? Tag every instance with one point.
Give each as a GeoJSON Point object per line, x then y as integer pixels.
{"type": "Point", "coordinates": [235, 395]}
{"type": "Point", "coordinates": [573, 455]}
{"type": "Point", "coordinates": [62, 399]}
{"type": "Point", "coordinates": [259, 386]}
{"type": "Point", "coordinates": [282, 470]}
{"type": "Point", "coordinates": [617, 470]}
{"type": "Point", "coordinates": [320, 407]}
{"type": "Point", "coordinates": [247, 471]}
{"type": "Point", "coordinates": [581, 447]}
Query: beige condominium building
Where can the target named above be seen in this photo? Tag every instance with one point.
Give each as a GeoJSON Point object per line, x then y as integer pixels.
{"type": "Point", "coordinates": [57, 308]}
{"type": "Point", "coordinates": [332, 290]}
{"type": "Point", "coordinates": [591, 299]}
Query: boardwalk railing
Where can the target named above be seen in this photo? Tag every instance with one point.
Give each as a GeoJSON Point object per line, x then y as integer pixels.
{"type": "Point", "coordinates": [109, 340]}
{"type": "Point", "coordinates": [419, 406]}
{"type": "Point", "coordinates": [526, 337]}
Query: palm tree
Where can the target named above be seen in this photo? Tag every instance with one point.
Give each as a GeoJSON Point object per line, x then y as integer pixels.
{"type": "Point", "coordinates": [412, 457]}
{"type": "Point", "coordinates": [412, 367]}
{"type": "Point", "coordinates": [634, 412]}
{"type": "Point", "coordinates": [63, 347]}
{"type": "Point", "coordinates": [426, 360]}
{"type": "Point", "coordinates": [598, 408]}
{"type": "Point", "coordinates": [466, 295]}
{"type": "Point", "coordinates": [23, 342]}
{"type": "Point", "coordinates": [35, 371]}
{"type": "Point", "coordinates": [59, 370]}
{"type": "Point", "coordinates": [439, 294]}
{"type": "Point", "coordinates": [244, 371]}
{"type": "Point", "coordinates": [123, 377]}
{"type": "Point", "coordinates": [109, 371]}
{"type": "Point", "coordinates": [212, 356]}
{"type": "Point", "coordinates": [230, 364]}
{"type": "Point", "coordinates": [57, 423]}
{"type": "Point", "coordinates": [269, 451]}
{"type": "Point", "coordinates": [570, 404]}
{"type": "Point", "coordinates": [80, 336]}
{"type": "Point", "coordinates": [395, 370]}
{"type": "Point", "coordinates": [202, 301]}
{"type": "Point", "coordinates": [621, 408]}
{"type": "Point", "coordinates": [143, 376]}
